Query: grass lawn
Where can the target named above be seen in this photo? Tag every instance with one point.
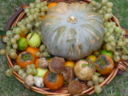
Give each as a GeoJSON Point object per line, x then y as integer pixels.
{"type": "Point", "coordinates": [11, 87]}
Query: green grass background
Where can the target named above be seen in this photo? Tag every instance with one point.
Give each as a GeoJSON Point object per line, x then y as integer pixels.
{"type": "Point", "coordinates": [11, 87]}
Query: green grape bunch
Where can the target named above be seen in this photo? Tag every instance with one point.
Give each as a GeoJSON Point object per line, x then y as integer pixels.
{"type": "Point", "coordinates": [114, 37]}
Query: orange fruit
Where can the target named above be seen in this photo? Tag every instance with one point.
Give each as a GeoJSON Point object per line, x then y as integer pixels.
{"type": "Point", "coordinates": [70, 64]}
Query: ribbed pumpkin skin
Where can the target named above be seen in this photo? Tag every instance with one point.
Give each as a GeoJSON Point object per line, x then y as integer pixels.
{"type": "Point", "coordinates": [72, 40]}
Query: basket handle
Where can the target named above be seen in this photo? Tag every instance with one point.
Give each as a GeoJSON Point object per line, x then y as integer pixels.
{"type": "Point", "coordinates": [13, 18]}
{"type": "Point", "coordinates": [123, 65]}
{"type": "Point", "coordinates": [87, 1]}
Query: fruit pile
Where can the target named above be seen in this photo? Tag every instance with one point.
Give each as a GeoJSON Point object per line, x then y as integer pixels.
{"type": "Point", "coordinates": [39, 68]}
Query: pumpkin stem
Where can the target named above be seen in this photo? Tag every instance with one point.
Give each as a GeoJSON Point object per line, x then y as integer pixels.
{"type": "Point", "coordinates": [72, 19]}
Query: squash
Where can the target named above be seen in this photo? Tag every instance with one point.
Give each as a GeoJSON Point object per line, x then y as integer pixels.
{"type": "Point", "coordinates": [72, 31]}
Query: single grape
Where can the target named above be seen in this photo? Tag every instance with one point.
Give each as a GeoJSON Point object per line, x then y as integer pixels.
{"type": "Point", "coordinates": [38, 5]}
{"type": "Point", "coordinates": [38, 54]}
{"type": "Point", "coordinates": [32, 5]}
{"type": "Point", "coordinates": [42, 48]}
{"type": "Point", "coordinates": [101, 79]}
{"type": "Point", "coordinates": [101, 12]}
{"type": "Point", "coordinates": [113, 44]}
{"type": "Point", "coordinates": [98, 89]}
{"type": "Point", "coordinates": [17, 31]}
{"type": "Point", "coordinates": [17, 36]}
{"type": "Point", "coordinates": [97, 74]}
{"type": "Point", "coordinates": [30, 18]}
{"type": "Point", "coordinates": [7, 49]}
{"type": "Point", "coordinates": [27, 21]}
{"type": "Point", "coordinates": [9, 72]}
{"type": "Point", "coordinates": [23, 75]}
{"type": "Point", "coordinates": [103, 2]}
{"type": "Point", "coordinates": [8, 33]}
{"type": "Point", "coordinates": [15, 46]}
{"type": "Point", "coordinates": [16, 68]}
{"type": "Point", "coordinates": [29, 71]}
{"type": "Point", "coordinates": [112, 24]}
{"type": "Point", "coordinates": [5, 39]}
{"type": "Point", "coordinates": [125, 57]}
{"type": "Point", "coordinates": [111, 30]}
{"type": "Point", "coordinates": [116, 58]}
{"type": "Point", "coordinates": [36, 15]}
{"type": "Point", "coordinates": [46, 54]}
{"type": "Point", "coordinates": [120, 43]}
{"type": "Point", "coordinates": [109, 10]}
{"type": "Point", "coordinates": [109, 47]}
{"type": "Point", "coordinates": [107, 25]}
{"type": "Point", "coordinates": [45, 8]}
{"type": "Point", "coordinates": [32, 11]}
{"type": "Point", "coordinates": [108, 34]}
{"type": "Point", "coordinates": [24, 29]}
{"type": "Point", "coordinates": [2, 51]}
{"type": "Point", "coordinates": [20, 72]}
{"type": "Point", "coordinates": [42, 9]}
{"type": "Point", "coordinates": [95, 79]}
{"type": "Point", "coordinates": [111, 38]}
{"type": "Point", "coordinates": [13, 55]}
{"type": "Point", "coordinates": [90, 83]}
{"type": "Point", "coordinates": [107, 16]}
{"type": "Point", "coordinates": [29, 26]}
{"type": "Point", "coordinates": [27, 10]}
{"type": "Point", "coordinates": [45, 3]}
{"type": "Point", "coordinates": [37, 24]}
{"type": "Point", "coordinates": [12, 50]}
{"type": "Point", "coordinates": [117, 53]}
{"type": "Point", "coordinates": [42, 13]}
{"type": "Point", "coordinates": [117, 29]}
{"type": "Point", "coordinates": [110, 4]}
{"type": "Point", "coordinates": [104, 8]}
{"type": "Point", "coordinates": [93, 3]}
{"type": "Point", "coordinates": [13, 40]}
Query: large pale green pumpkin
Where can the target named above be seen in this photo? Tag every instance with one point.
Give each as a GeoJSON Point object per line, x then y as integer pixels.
{"type": "Point", "coordinates": [72, 31]}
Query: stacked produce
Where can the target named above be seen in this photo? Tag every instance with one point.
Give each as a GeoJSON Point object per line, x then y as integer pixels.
{"type": "Point", "coordinates": [53, 47]}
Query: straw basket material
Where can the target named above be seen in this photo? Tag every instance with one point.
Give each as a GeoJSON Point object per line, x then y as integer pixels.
{"type": "Point", "coordinates": [17, 16]}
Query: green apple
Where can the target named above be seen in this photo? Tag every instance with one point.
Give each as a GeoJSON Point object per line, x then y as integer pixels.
{"type": "Point", "coordinates": [34, 39]}
{"type": "Point", "coordinates": [22, 44]}
{"type": "Point", "coordinates": [41, 72]}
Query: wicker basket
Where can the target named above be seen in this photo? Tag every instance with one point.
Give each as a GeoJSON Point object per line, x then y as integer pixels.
{"type": "Point", "coordinates": [17, 16]}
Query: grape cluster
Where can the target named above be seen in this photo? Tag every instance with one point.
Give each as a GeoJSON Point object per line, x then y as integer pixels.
{"type": "Point", "coordinates": [35, 13]}
{"type": "Point", "coordinates": [104, 8]}
{"type": "Point", "coordinates": [114, 39]}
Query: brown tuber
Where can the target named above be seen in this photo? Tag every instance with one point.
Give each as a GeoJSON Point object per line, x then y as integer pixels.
{"type": "Point", "coordinates": [76, 87]}
{"type": "Point", "coordinates": [56, 65]}
{"type": "Point", "coordinates": [43, 63]}
{"type": "Point", "coordinates": [68, 74]}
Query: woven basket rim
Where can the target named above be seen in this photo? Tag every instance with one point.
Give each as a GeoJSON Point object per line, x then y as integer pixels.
{"type": "Point", "coordinates": [64, 92]}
